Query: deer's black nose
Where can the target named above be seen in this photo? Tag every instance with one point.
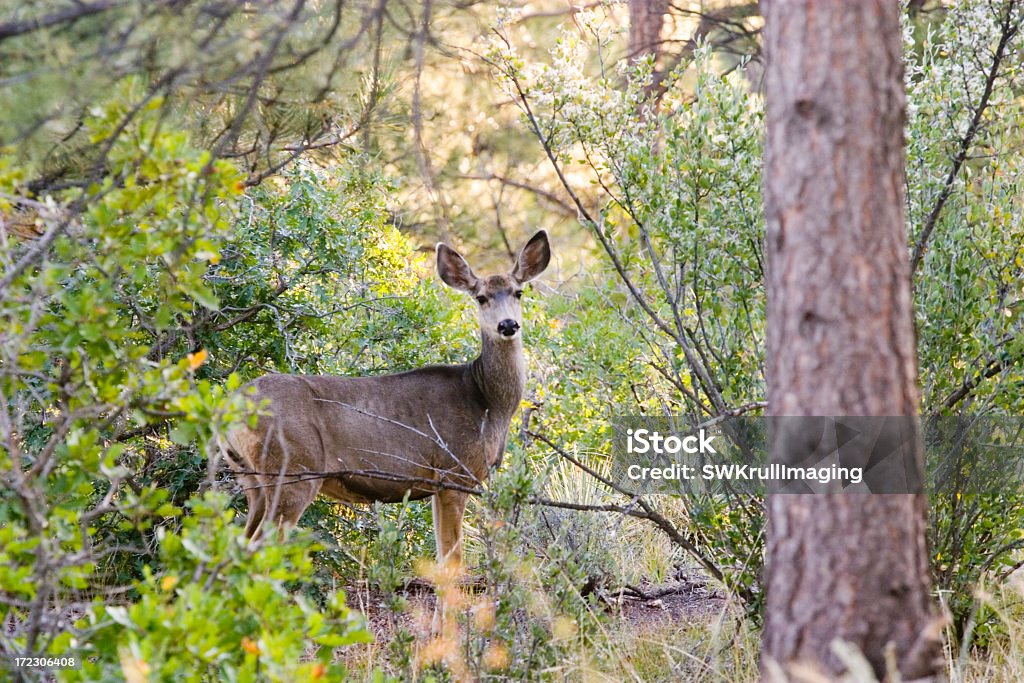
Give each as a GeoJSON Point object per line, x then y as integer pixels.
{"type": "Point", "coordinates": [508, 327]}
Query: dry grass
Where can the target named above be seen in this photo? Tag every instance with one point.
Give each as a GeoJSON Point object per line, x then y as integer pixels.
{"type": "Point", "coordinates": [1003, 659]}
{"type": "Point", "coordinates": [689, 633]}
{"type": "Point", "coordinates": [699, 641]}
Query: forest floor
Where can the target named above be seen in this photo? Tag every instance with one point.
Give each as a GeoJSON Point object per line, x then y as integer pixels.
{"type": "Point", "coordinates": [680, 603]}
{"type": "Point", "coordinates": [685, 598]}
{"type": "Point", "coordinates": [652, 631]}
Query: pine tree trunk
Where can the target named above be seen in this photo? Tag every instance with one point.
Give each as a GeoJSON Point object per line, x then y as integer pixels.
{"type": "Point", "coordinates": [840, 333]}
{"type": "Point", "coordinates": [646, 18]}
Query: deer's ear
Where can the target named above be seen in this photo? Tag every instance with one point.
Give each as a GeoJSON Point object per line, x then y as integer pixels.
{"type": "Point", "coordinates": [533, 258]}
{"type": "Point", "coordinates": [454, 270]}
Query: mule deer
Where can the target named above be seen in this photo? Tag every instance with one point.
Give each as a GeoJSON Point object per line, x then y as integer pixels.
{"type": "Point", "coordinates": [383, 438]}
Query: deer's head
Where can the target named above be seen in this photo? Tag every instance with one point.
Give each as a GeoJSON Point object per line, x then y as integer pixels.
{"type": "Point", "coordinates": [498, 297]}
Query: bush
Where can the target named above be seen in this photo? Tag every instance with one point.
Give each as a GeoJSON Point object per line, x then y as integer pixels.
{"type": "Point", "coordinates": [217, 608]}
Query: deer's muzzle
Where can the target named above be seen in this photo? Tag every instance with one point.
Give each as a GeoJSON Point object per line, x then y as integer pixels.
{"type": "Point", "coordinates": [508, 327]}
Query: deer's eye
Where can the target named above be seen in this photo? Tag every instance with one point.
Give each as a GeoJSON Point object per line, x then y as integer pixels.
{"type": "Point", "coordinates": [481, 300]}
{"type": "Point", "coordinates": [519, 294]}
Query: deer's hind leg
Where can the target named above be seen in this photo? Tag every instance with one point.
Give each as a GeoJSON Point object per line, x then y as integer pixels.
{"type": "Point", "coordinates": [242, 450]}
{"type": "Point", "coordinates": [257, 508]}
{"type": "Point", "coordinates": [285, 502]}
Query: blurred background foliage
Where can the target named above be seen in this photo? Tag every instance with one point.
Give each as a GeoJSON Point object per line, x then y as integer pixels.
{"type": "Point", "coordinates": [197, 192]}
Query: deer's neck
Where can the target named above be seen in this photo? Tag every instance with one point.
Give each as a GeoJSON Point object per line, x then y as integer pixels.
{"type": "Point", "coordinates": [500, 372]}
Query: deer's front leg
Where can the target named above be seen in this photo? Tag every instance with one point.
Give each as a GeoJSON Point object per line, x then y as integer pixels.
{"type": "Point", "coordinates": [449, 507]}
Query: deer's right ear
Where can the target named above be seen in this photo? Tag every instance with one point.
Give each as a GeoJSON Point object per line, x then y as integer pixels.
{"type": "Point", "coordinates": [454, 270]}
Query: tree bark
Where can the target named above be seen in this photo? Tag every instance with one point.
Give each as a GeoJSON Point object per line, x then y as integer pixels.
{"type": "Point", "coordinates": [852, 567]}
{"type": "Point", "coordinates": [646, 18]}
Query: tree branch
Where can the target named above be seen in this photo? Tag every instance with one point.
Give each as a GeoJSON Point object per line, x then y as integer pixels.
{"type": "Point", "coordinates": [12, 29]}
{"type": "Point", "coordinates": [1009, 30]}
{"type": "Point", "coordinates": [992, 368]}
{"type": "Point", "coordinates": [647, 511]}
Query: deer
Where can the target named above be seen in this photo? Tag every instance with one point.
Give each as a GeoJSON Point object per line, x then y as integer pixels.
{"type": "Point", "coordinates": [435, 431]}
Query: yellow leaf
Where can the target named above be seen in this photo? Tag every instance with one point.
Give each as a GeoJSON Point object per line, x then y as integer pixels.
{"type": "Point", "coordinates": [206, 255]}
{"type": "Point", "coordinates": [250, 645]}
{"type": "Point", "coordinates": [196, 359]}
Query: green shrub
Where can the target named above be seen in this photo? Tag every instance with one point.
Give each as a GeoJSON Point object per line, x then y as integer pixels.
{"type": "Point", "coordinates": [217, 608]}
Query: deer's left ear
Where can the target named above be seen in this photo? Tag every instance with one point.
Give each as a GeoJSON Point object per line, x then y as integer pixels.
{"type": "Point", "coordinates": [533, 258]}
